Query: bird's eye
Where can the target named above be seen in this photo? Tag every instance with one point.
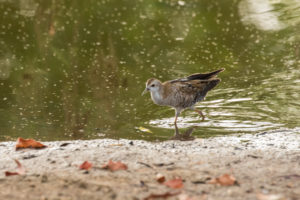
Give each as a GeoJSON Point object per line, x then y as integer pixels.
{"type": "Point", "coordinates": [152, 85]}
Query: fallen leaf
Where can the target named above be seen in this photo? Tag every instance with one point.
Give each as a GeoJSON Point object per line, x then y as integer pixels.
{"type": "Point", "coordinates": [225, 180]}
{"type": "Point", "coordinates": [160, 178]}
{"type": "Point", "coordinates": [114, 166]}
{"type": "Point", "coordinates": [86, 165]}
{"type": "Point", "coordinates": [143, 129]}
{"type": "Point", "coordinates": [174, 183]}
{"type": "Point", "coordinates": [261, 196]}
{"type": "Point", "coordinates": [165, 195]}
{"type": "Point", "coordinates": [20, 170]}
{"type": "Point", "coordinates": [28, 143]}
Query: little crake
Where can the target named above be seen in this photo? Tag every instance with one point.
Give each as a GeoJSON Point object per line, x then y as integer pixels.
{"type": "Point", "coordinates": [182, 93]}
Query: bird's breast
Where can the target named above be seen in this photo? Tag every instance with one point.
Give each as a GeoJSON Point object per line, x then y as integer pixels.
{"type": "Point", "coordinates": [157, 98]}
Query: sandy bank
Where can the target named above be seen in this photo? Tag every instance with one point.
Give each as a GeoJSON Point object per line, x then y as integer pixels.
{"type": "Point", "coordinates": [263, 164]}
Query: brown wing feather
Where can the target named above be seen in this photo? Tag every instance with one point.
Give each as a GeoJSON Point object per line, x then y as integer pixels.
{"type": "Point", "coordinates": [186, 94]}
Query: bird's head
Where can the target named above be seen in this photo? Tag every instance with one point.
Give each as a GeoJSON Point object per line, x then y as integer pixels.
{"type": "Point", "coordinates": [152, 85]}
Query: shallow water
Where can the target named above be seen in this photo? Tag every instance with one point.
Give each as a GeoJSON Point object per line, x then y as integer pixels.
{"type": "Point", "coordinates": [75, 70]}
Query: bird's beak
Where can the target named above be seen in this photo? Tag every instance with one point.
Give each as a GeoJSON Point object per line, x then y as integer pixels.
{"type": "Point", "coordinates": [145, 91]}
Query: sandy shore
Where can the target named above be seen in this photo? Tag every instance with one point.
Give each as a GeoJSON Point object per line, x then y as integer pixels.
{"type": "Point", "coordinates": [266, 166]}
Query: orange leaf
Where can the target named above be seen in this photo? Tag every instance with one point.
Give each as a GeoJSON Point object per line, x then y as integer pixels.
{"type": "Point", "coordinates": [86, 165]}
{"type": "Point", "coordinates": [11, 173]}
{"type": "Point", "coordinates": [114, 166]}
{"type": "Point", "coordinates": [225, 180]}
{"type": "Point", "coordinates": [174, 183]}
{"type": "Point", "coordinates": [20, 170]}
{"type": "Point", "coordinates": [28, 143]}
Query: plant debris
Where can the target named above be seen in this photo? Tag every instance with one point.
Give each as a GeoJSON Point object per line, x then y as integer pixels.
{"type": "Point", "coordinates": [225, 180]}
{"type": "Point", "coordinates": [28, 143]}
{"type": "Point", "coordinates": [86, 165]}
{"type": "Point", "coordinates": [20, 170]}
{"type": "Point", "coordinates": [174, 183]}
{"type": "Point", "coordinates": [115, 166]}
{"type": "Point", "coordinates": [164, 195]}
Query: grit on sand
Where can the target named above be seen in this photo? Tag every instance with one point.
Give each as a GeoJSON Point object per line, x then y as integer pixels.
{"type": "Point", "coordinates": [265, 165]}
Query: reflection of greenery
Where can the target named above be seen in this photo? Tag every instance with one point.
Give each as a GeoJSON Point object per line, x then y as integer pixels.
{"type": "Point", "coordinates": [75, 67]}
{"type": "Point", "coordinates": [289, 11]}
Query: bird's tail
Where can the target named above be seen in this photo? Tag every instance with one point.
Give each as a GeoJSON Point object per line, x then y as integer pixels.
{"type": "Point", "coordinates": [208, 85]}
{"type": "Point", "coordinates": [204, 76]}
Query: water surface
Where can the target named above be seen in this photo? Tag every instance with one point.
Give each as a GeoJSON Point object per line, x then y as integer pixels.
{"type": "Point", "coordinates": [76, 69]}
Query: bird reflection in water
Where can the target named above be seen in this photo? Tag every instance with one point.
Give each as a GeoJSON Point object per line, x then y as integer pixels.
{"type": "Point", "coordinates": [186, 136]}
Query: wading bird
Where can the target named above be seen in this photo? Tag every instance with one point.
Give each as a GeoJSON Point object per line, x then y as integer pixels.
{"type": "Point", "coordinates": [182, 93]}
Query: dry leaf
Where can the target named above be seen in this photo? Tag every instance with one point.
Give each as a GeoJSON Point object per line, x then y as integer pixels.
{"type": "Point", "coordinates": [261, 196]}
{"type": "Point", "coordinates": [28, 143]}
{"type": "Point", "coordinates": [20, 170]}
{"type": "Point", "coordinates": [143, 129]}
{"type": "Point", "coordinates": [165, 195]}
{"type": "Point", "coordinates": [114, 166]}
{"type": "Point", "coordinates": [85, 165]}
{"type": "Point", "coordinates": [225, 180]}
{"type": "Point", "coordinates": [160, 178]}
{"type": "Point", "coordinates": [174, 183]}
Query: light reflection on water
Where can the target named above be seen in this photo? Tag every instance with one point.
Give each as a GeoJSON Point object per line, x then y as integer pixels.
{"type": "Point", "coordinates": [224, 120]}
{"type": "Point", "coordinates": [224, 125]}
{"type": "Point", "coordinates": [72, 70]}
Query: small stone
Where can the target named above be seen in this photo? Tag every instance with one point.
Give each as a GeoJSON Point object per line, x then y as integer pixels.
{"type": "Point", "coordinates": [29, 157]}
{"type": "Point", "coordinates": [237, 148]}
{"type": "Point", "coordinates": [160, 178]}
{"type": "Point", "coordinates": [64, 144]}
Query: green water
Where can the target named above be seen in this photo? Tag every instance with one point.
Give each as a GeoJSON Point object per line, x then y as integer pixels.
{"type": "Point", "coordinates": [76, 69]}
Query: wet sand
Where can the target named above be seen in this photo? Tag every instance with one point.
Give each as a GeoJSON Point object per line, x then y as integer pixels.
{"type": "Point", "coordinates": [265, 165]}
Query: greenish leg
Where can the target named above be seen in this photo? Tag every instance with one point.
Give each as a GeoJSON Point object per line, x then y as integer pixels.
{"type": "Point", "coordinates": [200, 113]}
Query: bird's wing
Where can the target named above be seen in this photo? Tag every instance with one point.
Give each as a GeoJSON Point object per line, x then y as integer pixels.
{"type": "Point", "coordinates": [187, 93]}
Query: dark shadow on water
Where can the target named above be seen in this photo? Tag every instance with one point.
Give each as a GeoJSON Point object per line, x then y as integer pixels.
{"type": "Point", "coordinates": [186, 136]}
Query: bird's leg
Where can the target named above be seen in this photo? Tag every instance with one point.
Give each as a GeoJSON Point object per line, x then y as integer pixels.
{"type": "Point", "coordinates": [175, 123]}
{"type": "Point", "coordinates": [200, 113]}
{"type": "Point", "coordinates": [176, 128]}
